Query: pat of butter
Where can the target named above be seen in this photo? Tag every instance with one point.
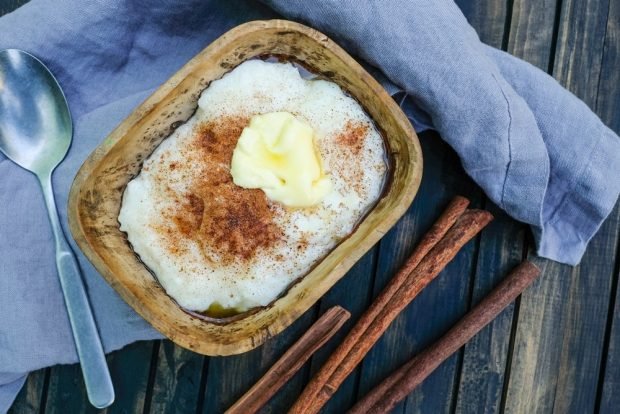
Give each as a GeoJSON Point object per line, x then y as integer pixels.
{"type": "Point", "coordinates": [276, 153]}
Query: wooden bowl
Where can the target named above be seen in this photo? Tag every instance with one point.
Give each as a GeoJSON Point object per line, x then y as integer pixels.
{"type": "Point", "coordinates": [95, 198]}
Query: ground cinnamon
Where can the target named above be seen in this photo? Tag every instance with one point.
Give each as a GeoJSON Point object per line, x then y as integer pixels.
{"type": "Point", "coordinates": [355, 347]}
{"type": "Point", "coordinates": [396, 387]}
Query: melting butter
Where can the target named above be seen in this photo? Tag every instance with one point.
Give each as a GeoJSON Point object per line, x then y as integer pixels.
{"type": "Point", "coordinates": [276, 152]}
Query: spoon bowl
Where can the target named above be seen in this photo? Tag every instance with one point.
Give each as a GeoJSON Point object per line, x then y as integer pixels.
{"type": "Point", "coordinates": [35, 123]}
{"type": "Point", "coordinates": [35, 133]}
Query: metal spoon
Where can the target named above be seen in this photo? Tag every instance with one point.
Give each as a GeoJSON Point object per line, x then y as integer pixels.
{"type": "Point", "coordinates": [35, 132]}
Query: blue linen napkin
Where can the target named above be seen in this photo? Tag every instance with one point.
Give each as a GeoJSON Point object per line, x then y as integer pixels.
{"type": "Point", "coordinates": [536, 150]}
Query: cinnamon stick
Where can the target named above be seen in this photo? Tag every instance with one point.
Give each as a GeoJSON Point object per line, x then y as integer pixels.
{"type": "Point", "coordinates": [353, 350]}
{"type": "Point", "coordinates": [291, 362]}
{"type": "Point", "coordinates": [396, 387]}
{"type": "Point", "coordinates": [453, 211]}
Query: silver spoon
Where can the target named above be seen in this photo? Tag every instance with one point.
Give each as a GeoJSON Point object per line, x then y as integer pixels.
{"type": "Point", "coordinates": [35, 132]}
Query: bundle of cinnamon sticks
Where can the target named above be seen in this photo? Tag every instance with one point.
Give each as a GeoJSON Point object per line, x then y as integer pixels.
{"type": "Point", "coordinates": [454, 228]}
{"type": "Point", "coordinates": [384, 397]}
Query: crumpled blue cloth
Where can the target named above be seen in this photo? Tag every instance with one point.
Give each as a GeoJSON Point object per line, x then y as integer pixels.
{"type": "Point", "coordinates": [536, 150]}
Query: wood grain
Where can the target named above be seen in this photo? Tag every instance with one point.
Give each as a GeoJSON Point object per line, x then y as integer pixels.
{"type": "Point", "coordinates": [291, 361]}
{"type": "Point", "coordinates": [95, 198]}
{"type": "Point", "coordinates": [230, 377]}
{"type": "Point", "coordinates": [608, 106]}
{"type": "Point", "coordinates": [437, 248]}
{"type": "Point", "coordinates": [402, 382]}
{"type": "Point", "coordinates": [562, 319]}
{"type": "Point", "coordinates": [32, 394]}
{"type": "Point", "coordinates": [485, 357]}
{"type": "Point", "coordinates": [176, 385]}
{"type": "Point", "coordinates": [360, 334]}
{"type": "Point", "coordinates": [609, 396]}
{"type": "Point", "coordinates": [488, 17]}
{"type": "Point", "coordinates": [608, 96]}
{"type": "Point", "coordinates": [431, 265]}
{"type": "Point", "coordinates": [354, 293]}
{"type": "Point", "coordinates": [130, 374]}
{"type": "Point", "coordinates": [531, 31]}
{"type": "Point", "coordinates": [420, 323]}
{"type": "Point", "coordinates": [7, 6]}
{"type": "Point", "coordinates": [579, 51]}
{"type": "Point", "coordinates": [66, 391]}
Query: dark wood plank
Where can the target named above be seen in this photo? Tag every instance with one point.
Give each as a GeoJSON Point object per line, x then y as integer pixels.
{"type": "Point", "coordinates": [30, 397]}
{"type": "Point", "coordinates": [66, 392]}
{"type": "Point", "coordinates": [488, 17]}
{"type": "Point", "coordinates": [560, 333]}
{"type": "Point", "coordinates": [130, 369]}
{"type": "Point", "coordinates": [580, 45]}
{"type": "Point", "coordinates": [176, 386]}
{"type": "Point", "coordinates": [229, 377]}
{"type": "Point", "coordinates": [608, 102]}
{"type": "Point", "coordinates": [531, 31]}
{"type": "Point", "coordinates": [562, 318]}
{"type": "Point", "coordinates": [7, 6]}
{"type": "Point", "coordinates": [610, 397]}
{"type": "Point", "coordinates": [440, 304]}
{"type": "Point", "coordinates": [130, 373]}
{"type": "Point", "coordinates": [608, 106]}
{"type": "Point", "coordinates": [486, 356]}
{"type": "Point", "coordinates": [353, 293]}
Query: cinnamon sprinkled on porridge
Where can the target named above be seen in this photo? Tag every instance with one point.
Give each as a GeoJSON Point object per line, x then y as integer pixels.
{"type": "Point", "coordinates": [353, 136]}
{"type": "Point", "coordinates": [212, 243]}
{"type": "Point", "coordinates": [233, 222]}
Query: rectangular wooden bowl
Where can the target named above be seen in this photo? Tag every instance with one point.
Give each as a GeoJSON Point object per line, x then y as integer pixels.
{"type": "Point", "coordinates": [95, 198]}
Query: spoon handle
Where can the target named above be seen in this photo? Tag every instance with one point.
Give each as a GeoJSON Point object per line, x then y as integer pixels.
{"type": "Point", "coordinates": [87, 342]}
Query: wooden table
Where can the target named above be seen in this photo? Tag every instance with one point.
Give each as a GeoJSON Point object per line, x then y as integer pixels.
{"type": "Point", "coordinates": [557, 349]}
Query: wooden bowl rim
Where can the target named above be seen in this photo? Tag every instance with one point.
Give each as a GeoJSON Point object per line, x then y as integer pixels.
{"type": "Point", "coordinates": [182, 338]}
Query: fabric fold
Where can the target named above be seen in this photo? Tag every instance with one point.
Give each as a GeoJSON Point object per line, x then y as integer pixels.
{"type": "Point", "coordinates": [529, 143]}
